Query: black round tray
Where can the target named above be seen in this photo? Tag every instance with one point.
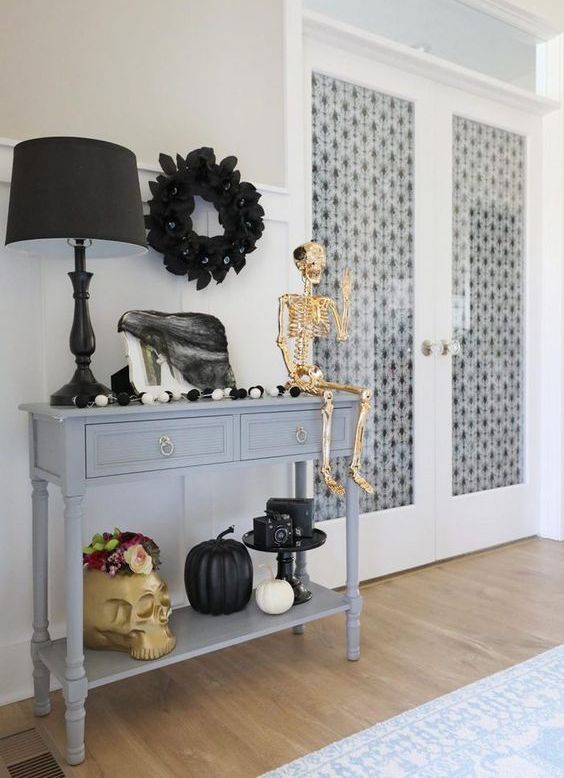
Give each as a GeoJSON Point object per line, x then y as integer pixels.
{"type": "Point", "coordinates": [306, 544]}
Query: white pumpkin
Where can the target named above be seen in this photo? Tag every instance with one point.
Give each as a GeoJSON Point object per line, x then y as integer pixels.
{"type": "Point", "coordinates": [274, 596]}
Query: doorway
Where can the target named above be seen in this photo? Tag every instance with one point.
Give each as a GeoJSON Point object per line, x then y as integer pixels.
{"type": "Point", "coordinates": [429, 194]}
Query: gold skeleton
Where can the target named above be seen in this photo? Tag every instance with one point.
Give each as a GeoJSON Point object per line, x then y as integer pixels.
{"type": "Point", "coordinates": [308, 318]}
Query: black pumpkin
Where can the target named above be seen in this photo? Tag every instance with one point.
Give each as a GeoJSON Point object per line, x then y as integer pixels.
{"type": "Point", "coordinates": [218, 575]}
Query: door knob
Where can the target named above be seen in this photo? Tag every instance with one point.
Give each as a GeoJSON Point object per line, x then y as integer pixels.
{"type": "Point", "coordinates": [450, 347]}
{"type": "Point", "coordinates": [431, 348]}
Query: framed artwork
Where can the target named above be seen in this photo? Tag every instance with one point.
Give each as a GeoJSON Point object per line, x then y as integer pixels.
{"type": "Point", "coordinates": [175, 351]}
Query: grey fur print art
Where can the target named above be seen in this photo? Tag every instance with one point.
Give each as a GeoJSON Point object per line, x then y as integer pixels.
{"type": "Point", "coordinates": [176, 349]}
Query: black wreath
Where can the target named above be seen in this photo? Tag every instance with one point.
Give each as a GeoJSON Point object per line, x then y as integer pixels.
{"type": "Point", "coordinates": [170, 226]}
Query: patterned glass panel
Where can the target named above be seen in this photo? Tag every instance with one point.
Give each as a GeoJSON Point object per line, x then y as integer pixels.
{"type": "Point", "coordinates": [487, 287]}
{"type": "Point", "coordinates": [363, 214]}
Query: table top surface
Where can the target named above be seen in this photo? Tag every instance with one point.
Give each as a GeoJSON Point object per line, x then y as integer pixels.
{"type": "Point", "coordinates": [184, 407]}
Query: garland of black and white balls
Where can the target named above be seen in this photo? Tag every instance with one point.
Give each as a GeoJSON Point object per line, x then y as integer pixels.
{"type": "Point", "coordinates": [146, 398]}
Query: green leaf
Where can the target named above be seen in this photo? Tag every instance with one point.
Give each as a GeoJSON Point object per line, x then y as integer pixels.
{"type": "Point", "coordinates": [87, 550]}
{"type": "Point", "coordinates": [117, 532]}
{"type": "Point", "coordinates": [97, 538]}
{"type": "Point", "coordinates": [111, 544]}
{"type": "Point", "coordinates": [98, 546]}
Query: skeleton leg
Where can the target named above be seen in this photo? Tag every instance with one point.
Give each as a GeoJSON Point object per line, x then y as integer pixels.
{"type": "Point", "coordinates": [358, 443]}
{"type": "Point", "coordinates": [327, 416]}
{"type": "Point", "coordinates": [364, 406]}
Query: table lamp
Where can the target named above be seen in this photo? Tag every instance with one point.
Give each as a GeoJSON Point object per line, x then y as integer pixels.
{"type": "Point", "coordinates": [84, 193]}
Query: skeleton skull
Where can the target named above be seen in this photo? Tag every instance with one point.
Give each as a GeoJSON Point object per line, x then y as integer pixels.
{"type": "Point", "coordinates": [310, 260]}
{"type": "Point", "coordinates": [127, 613]}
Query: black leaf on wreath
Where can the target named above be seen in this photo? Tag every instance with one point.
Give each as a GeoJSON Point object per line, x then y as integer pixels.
{"type": "Point", "coordinates": [169, 223]}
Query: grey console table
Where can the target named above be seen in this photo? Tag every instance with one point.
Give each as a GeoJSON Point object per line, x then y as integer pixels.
{"type": "Point", "coordinates": [79, 448]}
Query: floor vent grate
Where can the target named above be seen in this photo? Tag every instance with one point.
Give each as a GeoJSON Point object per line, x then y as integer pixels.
{"type": "Point", "coordinates": [25, 755]}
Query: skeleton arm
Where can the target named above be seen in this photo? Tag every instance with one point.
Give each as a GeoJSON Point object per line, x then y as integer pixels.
{"type": "Point", "coordinates": [342, 319]}
{"type": "Point", "coordinates": [282, 340]}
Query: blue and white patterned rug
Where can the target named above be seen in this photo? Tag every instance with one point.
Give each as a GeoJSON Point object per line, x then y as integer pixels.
{"type": "Point", "coordinates": [509, 725]}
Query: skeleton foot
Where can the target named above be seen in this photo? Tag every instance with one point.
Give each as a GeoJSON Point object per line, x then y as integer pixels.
{"type": "Point", "coordinates": [362, 482]}
{"type": "Point", "coordinates": [333, 485]}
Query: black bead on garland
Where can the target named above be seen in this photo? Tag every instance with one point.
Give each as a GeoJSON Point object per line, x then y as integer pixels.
{"type": "Point", "coordinates": [169, 222]}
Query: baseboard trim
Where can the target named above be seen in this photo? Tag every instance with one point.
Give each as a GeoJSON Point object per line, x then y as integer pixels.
{"type": "Point", "coordinates": [479, 552]}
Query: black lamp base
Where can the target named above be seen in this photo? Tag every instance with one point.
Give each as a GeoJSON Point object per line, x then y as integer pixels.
{"type": "Point", "coordinates": [82, 382]}
{"type": "Point", "coordinates": [82, 339]}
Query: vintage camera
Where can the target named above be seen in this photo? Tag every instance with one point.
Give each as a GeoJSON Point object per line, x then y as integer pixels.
{"type": "Point", "coordinates": [299, 509]}
{"type": "Point", "coordinates": [273, 530]}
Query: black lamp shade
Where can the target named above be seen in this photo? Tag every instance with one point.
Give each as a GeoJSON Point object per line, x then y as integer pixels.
{"type": "Point", "coordinates": [75, 188]}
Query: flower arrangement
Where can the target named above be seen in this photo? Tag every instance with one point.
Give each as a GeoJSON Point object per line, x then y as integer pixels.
{"type": "Point", "coordinates": [170, 226]}
{"type": "Point", "coordinates": [121, 553]}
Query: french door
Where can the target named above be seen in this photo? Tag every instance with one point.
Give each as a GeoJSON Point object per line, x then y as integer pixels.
{"type": "Point", "coordinates": [429, 195]}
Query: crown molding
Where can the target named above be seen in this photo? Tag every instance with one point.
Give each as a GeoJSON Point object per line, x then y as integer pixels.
{"type": "Point", "coordinates": [516, 16]}
{"type": "Point", "coordinates": [328, 30]}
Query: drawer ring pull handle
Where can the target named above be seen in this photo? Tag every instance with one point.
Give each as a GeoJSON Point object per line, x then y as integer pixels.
{"type": "Point", "coordinates": [301, 434]}
{"type": "Point", "coordinates": [166, 445]}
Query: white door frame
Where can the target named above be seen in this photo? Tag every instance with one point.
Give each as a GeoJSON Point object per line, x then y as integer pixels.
{"type": "Point", "coordinates": [328, 567]}
{"type": "Point", "coordinates": [402, 537]}
{"type": "Point", "coordinates": [482, 519]}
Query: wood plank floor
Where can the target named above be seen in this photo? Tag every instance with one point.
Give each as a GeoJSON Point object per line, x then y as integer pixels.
{"type": "Point", "coordinates": [249, 708]}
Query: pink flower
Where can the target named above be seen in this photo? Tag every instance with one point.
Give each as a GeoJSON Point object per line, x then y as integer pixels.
{"type": "Point", "coordinates": [138, 559]}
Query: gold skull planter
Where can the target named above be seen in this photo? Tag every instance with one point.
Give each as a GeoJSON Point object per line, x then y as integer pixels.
{"type": "Point", "coordinates": [127, 613]}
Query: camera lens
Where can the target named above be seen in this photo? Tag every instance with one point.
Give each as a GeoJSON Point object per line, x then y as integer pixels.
{"type": "Point", "coordinates": [280, 535]}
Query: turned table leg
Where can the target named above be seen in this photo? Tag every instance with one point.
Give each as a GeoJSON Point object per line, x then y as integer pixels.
{"type": "Point", "coordinates": [40, 638]}
{"type": "Point", "coordinates": [352, 592]}
{"type": "Point", "coordinates": [76, 685]}
{"type": "Point", "coordinates": [300, 490]}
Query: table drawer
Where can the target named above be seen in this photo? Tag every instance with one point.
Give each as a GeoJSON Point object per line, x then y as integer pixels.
{"type": "Point", "coordinates": [289, 433]}
{"type": "Point", "coordinates": [135, 447]}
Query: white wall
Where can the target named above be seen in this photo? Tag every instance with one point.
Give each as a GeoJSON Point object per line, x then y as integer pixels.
{"type": "Point", "coordinates": [156, 77]}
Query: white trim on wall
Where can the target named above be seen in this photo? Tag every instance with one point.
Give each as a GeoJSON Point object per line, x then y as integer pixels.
{"type": "Point", "coordinates": [294, 122]}
{"type": "Point", "coordinates": [551, 340]}
{"type": "Point", "coordinates": [385, 51]}
{"type": "Point", "coordinates": [279, 206]}
{"type": "Point", "coordinates": [274, 200]}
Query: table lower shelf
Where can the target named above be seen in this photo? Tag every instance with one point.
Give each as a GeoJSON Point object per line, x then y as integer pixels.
{"type": "Point", "coordinates": [197, 634]}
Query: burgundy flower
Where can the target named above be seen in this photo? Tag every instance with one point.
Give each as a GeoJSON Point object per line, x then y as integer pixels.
{"type": "Point", "coordinates": [96, 560]}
